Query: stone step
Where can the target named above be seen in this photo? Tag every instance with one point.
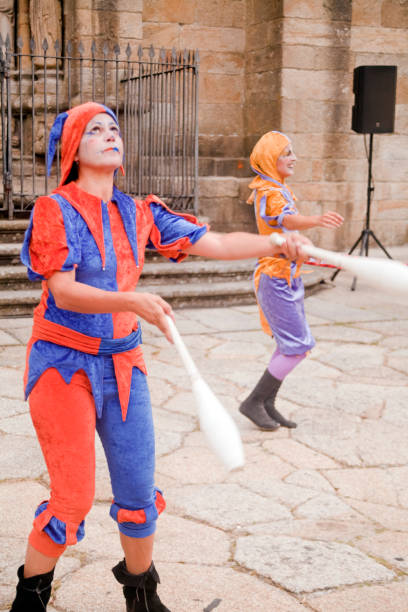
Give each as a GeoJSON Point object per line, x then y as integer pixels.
{"type": "Point", "coordinates": [21, 302]}
{"type": "Point", "coordinates": [10, 253]}
{"type": "Point", "coordinates": [155, 273]}
{"type": "Point", "coordinates": [12, 231]}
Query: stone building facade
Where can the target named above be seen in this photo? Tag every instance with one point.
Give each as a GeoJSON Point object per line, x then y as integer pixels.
{"type": "Point", "coordinates": [270, 64]}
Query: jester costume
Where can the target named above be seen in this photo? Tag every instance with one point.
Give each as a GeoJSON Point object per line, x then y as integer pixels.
{"type": "Point", "coordinates": [278, 286]}
{"type": "Point", "coordinates": [86, 371]}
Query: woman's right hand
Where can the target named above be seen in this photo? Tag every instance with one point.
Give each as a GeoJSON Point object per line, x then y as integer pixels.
{"type": "Point", "coordinates": [153, 309]}
{"type": "Point", "coordinates": [330, 219]}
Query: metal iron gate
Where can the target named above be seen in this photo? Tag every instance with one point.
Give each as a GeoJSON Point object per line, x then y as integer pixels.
{"type": "Point", "coordinates": [155, 98]}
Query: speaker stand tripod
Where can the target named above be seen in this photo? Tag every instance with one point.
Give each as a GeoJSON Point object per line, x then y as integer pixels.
{"type": "Point", "coordinates": [367, 232]}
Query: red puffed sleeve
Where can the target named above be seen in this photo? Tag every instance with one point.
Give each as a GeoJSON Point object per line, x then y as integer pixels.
{"type": "Point", "coordinates": [47, 248]}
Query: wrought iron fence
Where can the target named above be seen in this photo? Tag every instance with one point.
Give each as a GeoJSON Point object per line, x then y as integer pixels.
{"type": "Point", "coordinates": [155, 98]}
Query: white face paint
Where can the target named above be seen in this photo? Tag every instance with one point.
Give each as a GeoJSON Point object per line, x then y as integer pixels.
{"type": "Point", "coordinates": [286, 162]}
{"type": "Point", "coordinates": [101, 145]}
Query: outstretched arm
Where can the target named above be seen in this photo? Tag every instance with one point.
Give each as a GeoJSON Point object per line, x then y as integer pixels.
{"type": "Point", "coordinates": [244, 245]}
{"type": "Point", "coordinates": [329, 219]}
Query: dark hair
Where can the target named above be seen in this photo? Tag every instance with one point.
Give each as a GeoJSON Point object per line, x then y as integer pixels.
{"type": "Point", "coordinates": [73, 173]}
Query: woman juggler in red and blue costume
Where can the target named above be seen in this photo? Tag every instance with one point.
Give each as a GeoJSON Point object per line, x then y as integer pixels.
{"type": "Point", "coordinates": [85, 371]}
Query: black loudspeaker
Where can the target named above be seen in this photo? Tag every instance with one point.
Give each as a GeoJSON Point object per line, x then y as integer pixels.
{"type": "Point", "coordinates": [374, 89]}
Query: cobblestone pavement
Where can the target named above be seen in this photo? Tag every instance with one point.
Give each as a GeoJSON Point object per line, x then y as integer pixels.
{"type": "Point", "coordinates": [317, 519]}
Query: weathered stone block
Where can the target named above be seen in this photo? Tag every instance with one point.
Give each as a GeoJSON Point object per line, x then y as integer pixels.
{"type": "Point", "coordinates": [315, 33]}
{"type": "Point", "coordinates": [321, 58]}
{"type": "Point", "coordinates": [163, 11]}
{"type": "Point", "coordinates": [131, 6]}
{"type": "Point", "coordinates": [214, 187]}
{"type": "Point", "coordinates": [261, 118]}
{"type": "Point", "coordinates": [319, 84]}
{"type": "Point", "coordinates": [314, 116]}
{"type": "Point", "coordinates": [263, 86]}
{"type": "Point", "coordinates": [366, 12]}
{"type": "Point", "coordinates": [343, 170]}
{"type": "Point", "coordinates": [221, 88]}
{"type": "Point", "coordinates": [216, 39]}
{"type": "Point", "coordinates": [217, 209]}
{"type": "Point", "coordinates": [162, 35]}
{"type": "Point", "coordinates": [263, 35]}
{"type": "Point", "coordinates": [370, 39]}
{"type": "Point", "coordinates": [85, 22]}
{"type": "Point", "coordinates": [206, 166]}
{"type": "Point", "coordinates": [221, 13]}
{"type": "Point", "coordinates": [394, 14]}
{"type": "Point", "coordinates": [259, 10]}
{"type": "Point", "coordinates": [218, 145]}
{"type": "Point", "coordinates": [220, 118]}
{"type": "Point", "coordinates": [391, 147]}
{"type": "Point", "coordinates": [232, 167]}
{"type": "Point", "coordinates": [130, 25]}
{"type": "Point", "coordinates": [263, 59]}
{"type": "Point", "coordinates": [222, 63]}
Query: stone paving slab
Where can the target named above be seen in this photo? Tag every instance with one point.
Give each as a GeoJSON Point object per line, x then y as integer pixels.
{"type": "Point", "coordinates": [316, 518]}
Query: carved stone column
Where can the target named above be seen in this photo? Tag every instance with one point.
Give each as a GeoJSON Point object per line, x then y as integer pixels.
{"type": "Point", "coordinates": [45, 22]}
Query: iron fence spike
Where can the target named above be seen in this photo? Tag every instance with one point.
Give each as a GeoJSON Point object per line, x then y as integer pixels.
{"type": "Point", "coordinates": [45, 45]}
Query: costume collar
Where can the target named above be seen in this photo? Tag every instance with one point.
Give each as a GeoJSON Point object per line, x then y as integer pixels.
{"type": "Point", "coordinates": [89, 207]}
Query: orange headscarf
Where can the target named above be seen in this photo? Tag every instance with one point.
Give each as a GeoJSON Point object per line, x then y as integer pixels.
{"type": "Point", "coordinates": [69, 127]}
{"type": "Point", "coordinates": [264, 157]}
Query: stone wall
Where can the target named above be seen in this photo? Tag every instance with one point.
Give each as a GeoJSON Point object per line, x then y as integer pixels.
{"type": "Point", "coordinates": [322, 43]}
{"type": "Point", "coordinates": [288, 65]}
{"type": "Point", "coordinates": [279, 64]}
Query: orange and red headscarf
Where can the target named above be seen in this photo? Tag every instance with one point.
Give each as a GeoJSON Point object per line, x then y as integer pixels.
{"type": "Point", "coordinates": [69, 127]}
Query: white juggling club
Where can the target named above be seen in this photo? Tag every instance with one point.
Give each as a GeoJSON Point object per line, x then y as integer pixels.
{"type": "Point", "coordinates": [383, 274]}
{"type": "Point", "coordinates": [218, 426]}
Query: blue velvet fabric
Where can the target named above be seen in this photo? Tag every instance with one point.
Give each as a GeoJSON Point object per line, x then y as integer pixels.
{"type": "Point", "coordinates": [172, 227]}
{"type": "Point", "coordinates": [130, 450]}
{"type": "Point", "coordinates": [84, 256]}
{"type": "Point", "coordinates": [113, 346]}
{"type": "Point", "coordinates": [56, 529]}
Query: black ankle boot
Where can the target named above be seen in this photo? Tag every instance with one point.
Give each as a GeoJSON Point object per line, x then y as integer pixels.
{"type": "Point", "coordinates": [32, 593]}
{"type": "Point", "coordinates": [274, 385]}
{"type": "Point", "coordinates": [140, 590]}
{"type": "Point", "coordinates": [253, 407]}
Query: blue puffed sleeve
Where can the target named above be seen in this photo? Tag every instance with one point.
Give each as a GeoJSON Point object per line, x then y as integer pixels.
{"type": "Point", "coordinates": [173, 232]}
